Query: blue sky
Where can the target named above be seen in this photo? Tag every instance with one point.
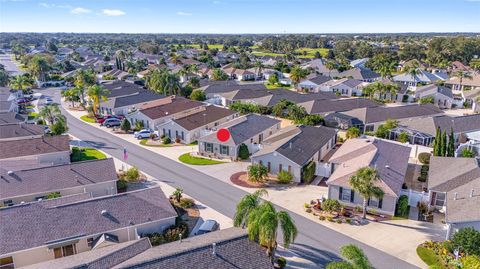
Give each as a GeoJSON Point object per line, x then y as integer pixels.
{"type": "Point", "coordinates": [240, 16]}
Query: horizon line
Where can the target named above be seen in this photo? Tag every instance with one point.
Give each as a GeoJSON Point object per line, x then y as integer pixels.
{"type": "Point", "coordinates": [245, 33]}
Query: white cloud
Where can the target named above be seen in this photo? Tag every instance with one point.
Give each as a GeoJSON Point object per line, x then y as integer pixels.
{"type": "Point", "coordinates": [80, 10]}
{"type": "Point", "coordinates": [46, 5]}
{"type": "Point", "coordinates": [181, 13]}
{"type": "Point", "coordinates": [113, 12]}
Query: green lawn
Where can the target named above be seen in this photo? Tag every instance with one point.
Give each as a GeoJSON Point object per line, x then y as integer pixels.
{"type": "Point", "coordinates": [143, 142]}
{"type": "Point", "coordinates": [272, 86]}
{"type": "Point", "coordinates": [429, 257]}
{"type": "Point", "coordinates": [188, 159]}
{"type": "Point", "coordinates": [32, 115]}
{"type": "Point", "coordinates": [311, 52]}
{"type": "Point", "coordinates": [88, 119]}
{"type": "Point", "coordinates": [259, 52]}
{"type": "Point", "coordinates": [85, 154]}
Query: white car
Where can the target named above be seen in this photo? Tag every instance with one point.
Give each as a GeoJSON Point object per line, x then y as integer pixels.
{"type": "Point", "coordinates": [48, 101]}
{"type": "Point", "coordinates": [143, 134]}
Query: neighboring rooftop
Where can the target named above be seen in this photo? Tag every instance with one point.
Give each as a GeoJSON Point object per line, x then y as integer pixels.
{"type": "Point", "coordinates": [121, 88]}
{"type": "Point", "coordinates": [210, 114]}
{"type": "Point", "coordinates": [337, 105]}
{"type": "Point", "coordinates": [360, 73]}
{"type": "Point", "coordinates": [167, 106]}
{"type": "Point", "coordinates": [433, 89]}
{"type": "Point", "coordinates": [34, 146]}
{"type": "Point", "coordinates": [429, 125]}
{"type": "Point", "coordinates": [135, 99]}
{"type": "Point", "coordinates": [54, 178]}
{"type": "Point", "coordinates": [20, 130]}
{"type": "Point", "coordinates": [36, 224]}
{"type": "Point", "coordinates": [10, 117]}
{"type": "Point", "coordinates": [233, 250]}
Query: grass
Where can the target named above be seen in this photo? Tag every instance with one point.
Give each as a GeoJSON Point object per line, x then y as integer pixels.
{"type": "Point", "coordinates": [188, 159]}
{"type": "Point", "coordinates": [429, 257]}
{"type": "Point", "coordinates": [86, 154]}
{"type": "Point", "coordinates": [274, 86]}
{"type": "Point", "coordinates": [311, 52]}
{"type": "Point", "coordinates": [88, 119]}
{"type": "Point", "coordinates": [143, 142]}
{"type": "Point", "coordinates": [32, 115]}
{"type": "Point", "coordinates": [194, 143]}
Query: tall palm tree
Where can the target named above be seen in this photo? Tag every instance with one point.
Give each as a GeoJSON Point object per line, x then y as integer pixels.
{"type": "Point", "coordinates": [263, 224]}
{"type": "Point", "coordinates": [365, 183]}
{"type": "Point", "coordinates": [330, 65]}
{"type": "Point", "coordinates": [83, 79]}
{"type": "Point", "coordinates": [354, 259]}
{"type": "Point", "coordinates": [20, 82]}
{"type": "Point", "coordinates": [412, 70]}
{"type": "Point", "coordinates": [246, 205]}
{"type": "Point", "coordinates": [97, 93]}
{"type": "Point", "coordinates": [71, 95]}
{"type": "Point", "coordinates": [38, 67]}
{"type": "Point", "coordinates": [386, 69]}
{"type": "Point", "coordinates": [462, 75]}
{"type": "Point", "coordinates": [297, 74]}
{"type": "Point", "coordinates": [50, 113]}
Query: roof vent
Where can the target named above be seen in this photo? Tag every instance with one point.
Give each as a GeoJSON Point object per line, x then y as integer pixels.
{"type": "Point", "coordinates": [455, 196]}
{"type": "Point", "coordinates": [471, 193]}
{"type": "Point", "coordinates": [214, 250]}
{"type": "Point", "coordinates": [387, 166]}
{"type": "Point", "coordinates": [10, 173]}
{"type": "Point", "coordinates": [104, 212]}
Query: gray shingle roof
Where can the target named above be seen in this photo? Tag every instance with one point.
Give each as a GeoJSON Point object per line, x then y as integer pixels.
{"type": "Point", "coordinates": [10, 117]}
{"type": "Point", "coordinates": [122, 88]}
{"type": "Point", "coordinates": [20, 130]}
{"type": "Point", "coordinates": [34, 146]}
{"type": "Point", "coordinates": [233, 251]}
{"type": "Point", "coordinates": [430, 90]}
{"type": "Point", "coordinates": [138, 98]}
{"type": "Point", "coordinates": [34, 224]}
{"type": "Point", "coordinates": [53, 178]}
{"type": "Point", "coordinates": [169, 106]}
{"type": "Point", "coordinates": [209, 115]}
{"type": "Point", "coordinates": [337, 105]}
{"type": "Point", "coordinates": [320, 79]}
{"type": "Point", "coordinates": [305, 144]}
{"type": "Point", "coordinates": [429, 125]}
{"type": "Point", "coordinates": [295, 97]}
{"type": "Point", "coordinates": [360, 73]}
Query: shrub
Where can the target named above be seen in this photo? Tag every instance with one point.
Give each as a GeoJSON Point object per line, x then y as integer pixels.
{"type": "Point", "coordinates": [308, 172]}
{"type": "Point", "coordinates": [424, 157]}
{"type": "Point", "coordinates": [403, 137]}
{"type": "Point", "coordinates": [306, 205]}
{"type": "Point", "coordinates": [423, 173]}
{"type": "Point", "coordinates": [132, 174]}
{"type": "Point", "coordinates": [330, 219]}
{"type": "Point", "coordinates": [358, 208]}
{"type": "Point", "coordinates": [243, 152]}
{"type": "Point", "coordinates": [349, 221]}
{"type": "Point", "coordinates": [284, 177]}
{"type": "Point", "coordinates": [331, 205]}
{"type": "Point", "coordinates": [256, 172]}
{"type": "Point", "coordinates": [467, 240]}
{"type": "Point", "coordinates": [177, 194]}
{"type": "Point", "coordinates": [308, 210]}
{"type": "Point", "coordinates": [198, 95]}
{"type": "Point", "coordinates": [169, 235]}
{"type": "Point", "coordinates": [125, 126]}
{"type": "Point", "coordinates": [121, 185]}
{"type": "Point", "coordinates": [166, 140]}
{"type": "Point", "coordinates": [53, 195]}
{"type": "Point", "coordinates": [353, 132]}
{"type": "Point", "coordinates": [467, 153]}
{"type": "Point", "coordinates": [186, 203]}
{"type": "Point", "coordinates": [339, 221]}
{"type": "Point", "coordinates": [281, 262]}
{"type": "Point", "coordinates": [177, 140]}
{"type": "Point", "coordinates": [471, 262]}
{"type": "Point", "coordinates": [402, 206]}
{"type": "Point", "coordinates": [138, 125]}
{"type": "Point", "coordinates": [321, 218]}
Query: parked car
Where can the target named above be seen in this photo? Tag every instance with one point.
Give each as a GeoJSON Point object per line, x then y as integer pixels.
{"type": "Point", "coordinates": [102, 119]}
{"type": "Point", "coordinates": [111, 122]}
{"type": "Point", "coordinates": [145, 133]}
{"type": "Point", "coordinates": [207, 227]}
{"type": "Point", "coordinates": [48, 101]}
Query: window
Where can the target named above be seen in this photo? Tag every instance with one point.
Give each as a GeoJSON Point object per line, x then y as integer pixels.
{"type": "Point", "coordinates": [260, 138]}
{"type": "Point", "coordinates": [64, 251]}
{"type": "Point", "coordinates": [224, 150]}
{"type": "Point", "coordinates": [374, 202]}
{"type": "Point", "coordinates": [280, 167]}
{"type": "Point", "coordinates": [345, 194]}
{"type": "Point", "coordinates": [440, 199]}
{"type": "Point", "coordinates": [208, 147]}
{"type": "Point", "coordinates": [369, 128]}
{"type": "Point", "coordinates": [268, 167]}
{"type": "Point", "coordinates": [183, 136]}
{"type": "Point", "coordinates": [6, 263]}
{"type": "Point", "coordinates": [176, 133]}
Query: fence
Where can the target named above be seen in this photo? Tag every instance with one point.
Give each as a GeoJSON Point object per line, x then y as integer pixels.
{"type": "Point", "coordinates": [414, 197]}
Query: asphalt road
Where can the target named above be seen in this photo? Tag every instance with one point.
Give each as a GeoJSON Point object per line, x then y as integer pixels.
{"type": "Point", "coordinates": [314, 241]}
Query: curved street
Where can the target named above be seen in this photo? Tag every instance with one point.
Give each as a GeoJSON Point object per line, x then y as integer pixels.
{"type": "Point", "coordinates": [314, 242]}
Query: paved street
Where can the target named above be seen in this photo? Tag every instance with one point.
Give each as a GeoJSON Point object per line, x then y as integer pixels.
{"type": "Point", "coordinates": [9, 64]}
{"type": "Point", "coordinates": [314, 242]}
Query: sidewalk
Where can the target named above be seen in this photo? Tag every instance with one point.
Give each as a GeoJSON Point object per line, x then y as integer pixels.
{"type": "Point", "coordinates": [399, 238]}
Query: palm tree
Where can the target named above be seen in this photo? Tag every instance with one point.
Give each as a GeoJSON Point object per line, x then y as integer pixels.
{"type": "Point", "coordinates": [193, 68]}
{"type": "Point", "coordinates": [83, 79]}
{"type": "Point", "coordinates": [263, 223]}
{"type": "Point", "coordinates": [175, 59]}
{"type": "Point", "coordinates": [246, 206]}
{"type": "Point", "coordinates": [218, 74]}
{"type": "Point", "coordinates": [297, 74]}
{"type": "Point", "coordinates": [462, 75]}
{"type": "Point", "coordinates": [412, 70]}
{"type": "Point", "coordinates": [364, 182]}
{"type": "Point", "coordinates": [97, 93]}
{"type": "Point", "coordinates": [259, 66]}
{"type": "Point", "coordinates": [38, 66]}
{"type": "Point", "coordinates": [50, 113]}
{"type": "Point", "coordinates": [330, 65]}
{"type": "Point", "coordinates": [20, 82]}
{"type": "Point", "coordinates": [354, 259]}
{"type": "Point", "coordinates": [71, 95]}
{"type": "Point", "coordinates": [386, 69]}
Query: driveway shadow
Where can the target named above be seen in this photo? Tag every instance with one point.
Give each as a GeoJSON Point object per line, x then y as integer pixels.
{"type": "Point", "coordinates": [319, 257]}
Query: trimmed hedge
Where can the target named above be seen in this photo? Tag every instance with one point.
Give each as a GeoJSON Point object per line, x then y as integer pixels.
{"type": "Point", "coordinates": [308, 172]}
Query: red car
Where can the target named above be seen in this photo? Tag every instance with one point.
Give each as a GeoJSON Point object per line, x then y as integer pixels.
{"type": "Point", "coordinates": [102, 119]}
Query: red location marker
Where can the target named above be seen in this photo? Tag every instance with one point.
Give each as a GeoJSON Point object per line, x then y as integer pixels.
{"type": "Point", "coordinates": [223, 135]}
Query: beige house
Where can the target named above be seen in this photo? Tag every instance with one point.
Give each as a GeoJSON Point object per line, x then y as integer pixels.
{"type": "Point", "coordinates": [36, 232]}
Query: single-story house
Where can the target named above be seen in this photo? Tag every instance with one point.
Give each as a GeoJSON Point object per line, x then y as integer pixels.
{"type": "Point", "coordinates": [46, 149]}
{"type": "Point", "coordinates": [325, 107]}
{"type": "Point", "coordinates": [442, 96]}
{"type": "Point", "coordinates": [251, 130]}
{"type": "Point", "coordinates": [293, 148]}
{"type": "Point", "coordinates": [41, 231]}
{"type": "Point", "coordinates": [390, 159]}
{"type": "Point", "coordinates": [116, 73]}
{"type": "Point", "coordinates": [312, 83]}
{"type": "Point", "coordinates": [95, 177]}
{"type": "Point", "coordinates": [344, 87]}
{"type": "Point", "coordinates": [161, 110]}
{"type": "Point", "coordinates": [372, 117]}
{"type": "Point", "coordinates": [454, 189]}
{"type": "Point", "coordinates": [190, 127]}
{"type": "Point", "coordinates": [360, 73]}
{"type": "Point", "coordinates": [126, 104]}
{"type": "Point", "coordinates": [16, 131]}
{"type": "Point", "coordinates": [423, 77]}
{"type": "Point", "coordinates": [460, 84]}
{"type": "Point", "coordinates": [319, 66]}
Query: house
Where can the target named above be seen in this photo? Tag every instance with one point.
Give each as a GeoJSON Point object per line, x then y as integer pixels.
{"type": "Point", "coordinates": [228, 248]}
{"type": "Point", "coordinates": [344, 87]}
{"type": "Point", "coordinates": [251, 130]}
{"type": "Point", "coordinates": [422, 77]}
{"type": "Point", "coordinates": [293, 148]}
{"type": "Point", "coordinates": [15, 131]}
{"type": "Point", "coordinates": [454, 190]}
{"type": "Point", "coordinates": [319, 66]}
{"type": "Point", "coordinates": [359, 62]}
{"type": "Point", "coordinates": [442, 96]}
{"type": "Point", "coordinates": [462, 84]}
{"type": "Point", "coordinates": [159, 111]}
{"type": "Point", "coordinates": [360, 73]}
{"type": "Point", "coordinates": [422, 131]}
{"type": "Point", "coordinates": [372, 117]}
{"type": "Point", "coordinates": [458, 66]}
{"type": "Point", "coordinates": [472, 98]}
{"type": "Point", "coordinates": [8, 100]}
{"type": "Point", "coordinates": [41, 231]}
{"type": "Point", "coordinates": [11, 117]}
{"type": "Point", "coordinates": [243, 75]}
{"type": "Point", "coordinates": [46, 149]}
{"type": "Point", "coordinates": [190, 127]}
{"type": "Point", "coordinates": [124, 105]}
{"type": "Point", "coordinates": [95, 178]}
{"type": "Point", "coordinates": [312, 83]}
{"type": "Point", "coordinates": [390, 159]}
{"type": "Point", "coordinates": [327, 106]}
{"type": "Point", "coordinates": [115, 73]}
